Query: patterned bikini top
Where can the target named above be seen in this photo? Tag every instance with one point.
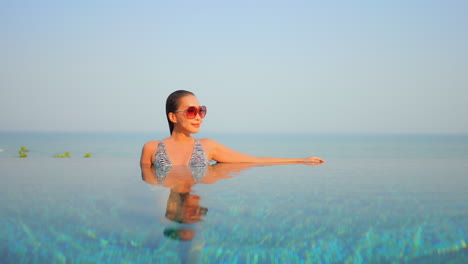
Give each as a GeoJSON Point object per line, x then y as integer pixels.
{"type": "Point", "coordinates": [198, 162]}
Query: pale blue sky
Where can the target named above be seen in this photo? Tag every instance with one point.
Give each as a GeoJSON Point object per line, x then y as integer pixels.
{"type": "Point", "coordinates": [259, 66]}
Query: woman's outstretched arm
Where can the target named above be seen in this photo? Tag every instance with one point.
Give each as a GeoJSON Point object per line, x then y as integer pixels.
{"type": "Point", "coordinates": [221, 153]}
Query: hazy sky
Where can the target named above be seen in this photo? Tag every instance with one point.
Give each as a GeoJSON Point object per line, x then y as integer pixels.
{"type": "Point", "coordinates": [259, 66]}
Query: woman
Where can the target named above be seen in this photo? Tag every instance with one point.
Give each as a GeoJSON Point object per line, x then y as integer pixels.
{"type": "Point", "coordinates": [185, 116]}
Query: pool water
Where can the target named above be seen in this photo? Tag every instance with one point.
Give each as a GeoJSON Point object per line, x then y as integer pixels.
{"type": "Point", "coordinates": [349, 210]}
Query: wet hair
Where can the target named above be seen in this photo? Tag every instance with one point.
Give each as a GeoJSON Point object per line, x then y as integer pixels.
{"type": "Point", "coordinates": [172, 104]}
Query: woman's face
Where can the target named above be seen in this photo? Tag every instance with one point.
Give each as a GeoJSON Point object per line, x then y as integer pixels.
{"type": "Point", "coordinates": [181, 122]}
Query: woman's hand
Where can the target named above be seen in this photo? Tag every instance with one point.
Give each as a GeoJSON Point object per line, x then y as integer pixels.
{"type": "Point", "coordinates": [314, 160]}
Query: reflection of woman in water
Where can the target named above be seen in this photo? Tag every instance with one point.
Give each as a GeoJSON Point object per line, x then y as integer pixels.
{"type": "Point", "coordinates": [185, 116]}
{"type": "Point", "coordinates": [183, 206]}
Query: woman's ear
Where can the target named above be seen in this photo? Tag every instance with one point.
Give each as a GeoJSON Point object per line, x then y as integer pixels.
{"type": "Point", "coordinates": [172, 117]}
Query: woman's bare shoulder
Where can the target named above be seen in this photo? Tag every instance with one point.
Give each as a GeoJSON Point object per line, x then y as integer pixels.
{"type": "Point", "coordinates": [148, 151]}
{"type": "Point", "coordinates": [151, 144]}
{"type": "Point", "coordinates": [208, 142]}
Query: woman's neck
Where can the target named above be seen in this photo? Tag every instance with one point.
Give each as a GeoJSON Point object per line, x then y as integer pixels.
{"type": "Point", "coordinates": [181, 137]}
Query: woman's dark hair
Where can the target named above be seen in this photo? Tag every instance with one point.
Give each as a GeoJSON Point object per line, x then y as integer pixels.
{"type": "Point", "coordinates": [172, 104]}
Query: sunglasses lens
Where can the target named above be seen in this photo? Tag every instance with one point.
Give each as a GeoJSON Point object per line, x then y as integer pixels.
{"type": "Point", "coordinates": [191, 112]}
{"type": "Point", "coordinates": [202, 111]}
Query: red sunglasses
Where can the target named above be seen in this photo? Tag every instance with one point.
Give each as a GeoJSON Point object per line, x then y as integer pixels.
{"type": "Point", "coordinates": [192, 111]}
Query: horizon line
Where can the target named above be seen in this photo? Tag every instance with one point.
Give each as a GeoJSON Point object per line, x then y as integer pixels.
{"type": "Point", "coordinates": [242, 132]}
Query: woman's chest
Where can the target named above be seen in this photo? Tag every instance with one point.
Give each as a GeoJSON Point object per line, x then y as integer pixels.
{"type": "Point", "coordinates": [179, 155]}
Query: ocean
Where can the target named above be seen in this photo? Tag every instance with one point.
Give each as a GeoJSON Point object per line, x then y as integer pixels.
{"type": "Point", "coordinates": [378, 199]}
{"type": "Point", "coordinates": [128, 144]}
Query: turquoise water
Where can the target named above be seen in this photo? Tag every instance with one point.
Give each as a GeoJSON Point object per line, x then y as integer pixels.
{"type": "Point", "coordinates": [378, 199]}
